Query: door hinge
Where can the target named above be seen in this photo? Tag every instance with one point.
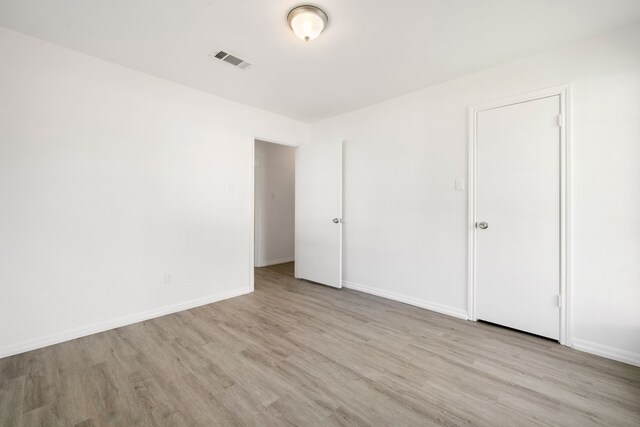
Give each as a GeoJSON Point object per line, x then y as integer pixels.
{"type": "Point", "coordinates": [560, 120]}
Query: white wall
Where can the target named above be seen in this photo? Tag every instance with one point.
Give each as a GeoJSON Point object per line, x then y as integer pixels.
{"type": "Point", "coordinates": [275, 203]}
{"type": "Point", "coordinates": [405, 234]}
{"type": "Point", "coordinates": [110, 178]}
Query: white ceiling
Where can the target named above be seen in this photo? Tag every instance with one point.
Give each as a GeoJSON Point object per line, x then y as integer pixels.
{"type": "Point", "coordinates": [372, 50]}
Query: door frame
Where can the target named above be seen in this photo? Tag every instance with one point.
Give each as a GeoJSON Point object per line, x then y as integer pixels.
{"type": "Point", "coordinates": [565, 200]}
{"type": "Point", "coordinates": [252, 173]}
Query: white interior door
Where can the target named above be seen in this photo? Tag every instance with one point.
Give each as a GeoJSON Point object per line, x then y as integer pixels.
{"type": "Point", "coordinates": [319, 212]}
{"type": "Point", "coordinates": [518, 197]}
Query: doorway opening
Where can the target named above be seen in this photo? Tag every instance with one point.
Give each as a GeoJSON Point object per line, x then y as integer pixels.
{"type": "Point", "coordinates": [274, 206]}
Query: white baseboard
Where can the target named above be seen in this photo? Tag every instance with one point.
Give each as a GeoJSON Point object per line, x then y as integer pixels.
{"type": "Point", "coordinates": [95, 328]}
{"type": "Point", "coordinates": [606, 351]}
{"type": "Point", "coordinates": [429, 305]}
{"type": "Point", "coordinates": [275, 261]}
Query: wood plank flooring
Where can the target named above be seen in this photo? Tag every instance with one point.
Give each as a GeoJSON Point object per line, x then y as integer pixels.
{"type": "Point", "coordinates": [294, 353]}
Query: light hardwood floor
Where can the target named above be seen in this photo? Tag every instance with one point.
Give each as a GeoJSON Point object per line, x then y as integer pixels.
{"type": "Point", "coordinates": [294, 353]}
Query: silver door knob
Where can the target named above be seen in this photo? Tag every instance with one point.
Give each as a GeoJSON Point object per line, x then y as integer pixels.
{"type": "Point", "coordinates": [336, 220]}
{"type": "Point", "coordinates": [483, 225]}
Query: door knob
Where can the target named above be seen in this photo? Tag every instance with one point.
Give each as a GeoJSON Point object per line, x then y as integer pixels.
{"type": "Point", "coordinates": [483, 225]}
{"type": "Point", "coordinates": [337, 220]}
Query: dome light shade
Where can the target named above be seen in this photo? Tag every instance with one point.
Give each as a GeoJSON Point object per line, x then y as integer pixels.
{"type": "Point", "coordinates": [307, 21]}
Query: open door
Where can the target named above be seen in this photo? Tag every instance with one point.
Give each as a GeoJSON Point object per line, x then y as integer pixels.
{"type": "Point", "coordinates": [319, 213]}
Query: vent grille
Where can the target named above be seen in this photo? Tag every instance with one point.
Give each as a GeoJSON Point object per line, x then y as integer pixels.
{"type": "Point", "coordinates": [230, 59]}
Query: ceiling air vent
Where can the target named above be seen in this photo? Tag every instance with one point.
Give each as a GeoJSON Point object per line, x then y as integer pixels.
{"type": "Point", "coordinates": [230, 59]}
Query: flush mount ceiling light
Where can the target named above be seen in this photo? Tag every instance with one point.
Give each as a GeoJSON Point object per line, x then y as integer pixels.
{"type": "Point", "coordinates": [307, 21]}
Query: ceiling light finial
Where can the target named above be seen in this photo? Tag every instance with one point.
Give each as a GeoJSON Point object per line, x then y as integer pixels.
{"type": "Point", "coordinates": [307, 21]}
